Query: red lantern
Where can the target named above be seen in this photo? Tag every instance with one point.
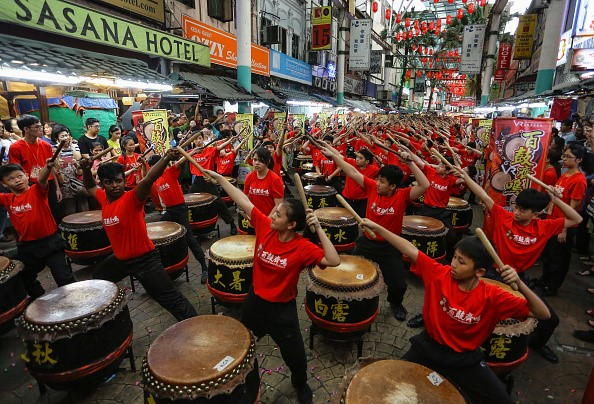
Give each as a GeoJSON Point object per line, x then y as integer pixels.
{"type": "Point", "coordinates": [408, 74]}
{"type": "Point", "coordinates": [424, 26]}
{"type": "Point", "coordinates": [483, 3]}
{"type": "Point", "coordinates": [416, 24]}
{"type": "Point", "coordinates": [410, 34]}
{"type": "Point", "coordinates": [413, 47]}
{"type": "Point", "coordinates": [451, 1]}
{"type": "Point", "coordinates": [437, 31]}
{"type": "Point", "coordinates": [418, 74]}
{"type": "Point", "coordinates": [426, 51]}
{"type": "Point", "coordinates": [398, 36]}
{"type": "Point", "coordinates": [430, 52]}
{"type": "Point", "coordinates": [464, 1]}
{"type": "Point", "coordinates": [450, 54]}
{"type": "Point", "coordinates": [420, 49]}
{"type": "Point", "coordinates": [457, 52]}
{"type": "Point", "coordinates": [448, 19]}
{"type": "Point", "coordinates": [471, 8]}
{"type": "Point", "coordinates": [460, 13]}
{"type": "Point", "coordinates": [388, 13]}
{"type": "Point", "coordinates": [436, 1]}
{"type": "Point", "coordinates": [398, 18]}
{"type": "Point", "coordinates": [375, 6]}
{"type": "Point", "coordinates": [439, 23]}
{"type": "Point", "coordinates": [431, 26]}
{"type": "Point", "coordinates": [407, 22]}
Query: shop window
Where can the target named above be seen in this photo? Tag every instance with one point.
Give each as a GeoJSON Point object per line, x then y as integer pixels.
{"type": "Point", "coordinates": [283, 41]}
{"type": "Point", "coordinates": [295, 46]}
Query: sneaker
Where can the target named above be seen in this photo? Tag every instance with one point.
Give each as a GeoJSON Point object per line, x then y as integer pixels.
{"type": "Point", "coordinates": [304, 394]}
{"type": "Point", "coordinates": [204, 277]}
{"type": "Point", "coordinates": [547, 353]}
{"type": "Point", "coordinates": [416, 321]}
{"type": "Point", "coordinates": [399, 312]}
{"type": "Point", "coordinates": [232, 229]}
{"type": "Point", "coordinates": [586, 336]}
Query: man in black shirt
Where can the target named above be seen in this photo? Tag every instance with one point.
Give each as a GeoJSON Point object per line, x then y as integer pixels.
{"type": "Point", "coordinates": [85, 141]}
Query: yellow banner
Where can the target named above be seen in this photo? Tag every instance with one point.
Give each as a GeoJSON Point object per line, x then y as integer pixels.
{"type": "Point", "coordinates": [156, 130]}
{"type": "Point", "coordinates": [245, 122]}
{"type": "Point", "coordinates": [525, 37]}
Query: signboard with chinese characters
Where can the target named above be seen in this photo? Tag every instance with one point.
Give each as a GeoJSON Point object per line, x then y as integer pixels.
{"type": "Point", "coordinates": [472, 49]}
{"type": "Point", "coordinates": [321, 28]}
{"type": "Point", "coordinates": [582, 60]}
{"type": "Point", "coordinates": [525, 37]}
{"type": "Point", "coordinates": [152, 9]}
{"type": "Point", "coordinates": [583, 22]}
{"type": "Point", "coordinates": [152, 128]}
{"type": "Point", "coordinates": [360, 46]}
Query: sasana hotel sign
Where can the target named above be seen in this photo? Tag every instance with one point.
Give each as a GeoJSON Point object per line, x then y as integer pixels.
{"type": "Point", "coordinates": [152, 9]}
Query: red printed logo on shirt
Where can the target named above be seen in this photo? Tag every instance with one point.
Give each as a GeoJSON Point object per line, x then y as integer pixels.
{"type": "Point", "coordinates": [457, 314]}
{"type": "Point", "coordinates": [270, 258]}
{"type": "Point", "coordinates": [21, 208]}
{"type": "Point", "coordinates": [163, 187]}
{"type": "Point", "coordinates": [382, 211]}
{"type": "Point", "coordinates": [259, 192]}
{"type": "Point", "coordinates": [111, 221]}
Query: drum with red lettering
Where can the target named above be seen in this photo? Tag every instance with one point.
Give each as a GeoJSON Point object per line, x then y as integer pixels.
{"type": "Point", "coordinates": [310, 178]}
{"type": "Point", "coordinates": [461, 214]}
{"type": "Point", "coordinates": [202, 213]}
{"type": "Point", "coordinates": [76, 334]}
{"type": "Point", "coordinates": [13, 296]}
{"type": "Point", "coordinates": [340, 226]}
{"type": "Point", "coordinates": [230, 268]}
{"type": "Point", "coordinates": [226, 198]}
{"type": "Point", "coordinates": [85, 237]}
{"type": "Point", "coordinates": [170, 240]}
{"type": "Point", "coordinates": [344, 299]}
{"type": "Point", "coordinates": [320, 196]}
{"type": "Point", "coordinates": [427, 234]}
{"type": "Point", "coordinates": [204, 359]}
{"type": "Point", "coordinates": [507, 347]}
{"type": "Point", "coordinates": [244, 223]}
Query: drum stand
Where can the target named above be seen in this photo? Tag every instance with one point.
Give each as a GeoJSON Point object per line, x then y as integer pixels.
{"type": "Point", "coordinates": [356, 337]}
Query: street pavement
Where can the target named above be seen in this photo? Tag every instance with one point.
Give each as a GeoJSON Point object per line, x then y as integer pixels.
{"type": "Point", "coordinates": [536, 381]}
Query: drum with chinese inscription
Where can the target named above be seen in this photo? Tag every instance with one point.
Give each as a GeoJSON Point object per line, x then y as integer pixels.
{"type": "Point", "coordinates": [85, 237]}
{"type": "Point", "coordinates": [300, 161]}
{"type": "Point", "coordinates": [13, 296]}
{"type": "Point", "coordinates": [310, 178]}
{"type": "Point", "coordinates": [507, 347]}
{"type": "Point", "coordinates": [202, 213]}
{"type": "Point", "coordinates": [340, 226]}
{"type": "Point", "coordinates": [344, 299]}
{"type": "Point", "coordinates": [170, 240]}
{"type": "Point", "coordinates": [204, 359]}
{"type": "Point", "coordinates": [226, 198]}
{"type": "Point", "coordinates": [244, 223]}
{"type": "Point", "coordinates": [320, 196]}
{"type": "Point", "coordinates": [395, 381]}
{"type": "Point", "coordinates": [461, 214]}
{"type": "Point", "coordinates": [427, 234]}
{"type": "Point", "coordinates": [76, 334]}
{"type": "Point", "coordinates": [230, 268]}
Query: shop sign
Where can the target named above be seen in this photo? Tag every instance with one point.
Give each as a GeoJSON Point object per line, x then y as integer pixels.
{"type": "Point", "coordinates": [223, 46]}
{"type": "Point", "coordinates": [583, 21]}
{"type": "Point", "coordinates": [472, 49]}
{"type": "Point", "coordinates": [582, 60]}
{"type": "Point", "coordinates": [360, 44]}
{"type": "Point", "coordinates": [152, 9]}
{"type": "Point", "coordinates": [321, 28]}
{"type": "Point", "coordinates": [525, 37]}
{"type": "Point", "coordinates": [504, 56]}
{"type": "Point", "coordinates": [72, 20]}
{"type": "Point", "coordinates": [289, 68]}
{"type": "Point", "coordinates": [353, 86]}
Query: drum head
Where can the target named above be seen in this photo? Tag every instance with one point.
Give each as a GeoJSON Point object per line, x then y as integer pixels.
{"type": "Point", "coordinates": [319, 190]}
{"type": "Point", "coordinates": [198, 350]}
{"type": "Point", "coordinates": [234, 249]}
{"type": "Point", "coordinates": [394, 381]}
{"type": "Point", "coordinates": [303, 157]}
{"type": "Point", "coordinates": [334, 215]}
{"type": "Point", "coordinates": [199, 199]}
{"type": "Point", "coordinates": [71, 302]}
{"type": "Point", "coordinates": [89, 217]}
{"type": "Point", "coordinates": [4, 263]}
{"type": "Point", "coordinates": [352, 272]}
{"type": "Point", "coordinates": [421, 224]}
{"type": "Point", "coordinates": [311, 176]}
{"type": "Point", "coordinates": [161, 231]}
{"type": "Point", "coordinates": [504, 287]}
{"type": "Point", "coordinates": [457, 203]}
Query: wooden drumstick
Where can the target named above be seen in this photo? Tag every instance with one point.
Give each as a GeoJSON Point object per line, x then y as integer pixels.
{"type": "Point", "coordinates": [348, 207]}
{"type": "Point", "coordinates": [481, 235]}
{"type": "Point", "coordinates": [302, 196]}
{"type": "Point", "coordinates": [443, 159]}
{"type": "Point", "coordinates": [103, 153]}
{"type": "Point", "coordinates": [195, 163]}
{"type": "Point", "coordinates": [58, 150]}
{"type": "Point", "coordinates": [542, 184]}
{"type": "Point", "coordinates": [129, 172]}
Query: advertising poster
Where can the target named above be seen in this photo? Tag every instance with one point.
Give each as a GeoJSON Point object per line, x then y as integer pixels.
{"type": "Point", "coordinates": [525, 37]}
{"type": "Point", "coordinates": [278, 120]}
{"type": "Point", "coordinates": [360, 45]}
{"type": "Point", "coordinates": [472, 49]}
{"type": "Point", "coordinates": [152, 129]}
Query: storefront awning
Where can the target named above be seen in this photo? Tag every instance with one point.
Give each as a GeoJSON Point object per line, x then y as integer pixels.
{"type": "Point", "coordinates": [360, 104]}
{"type": "Point", "coordinates": [267, 96]}
{"type": "Point", "coordinates": [327, 99]}
{"type": "Point", "coordinates": [294, 95]}
{"type": "Point", "coordinates": [221, 87]}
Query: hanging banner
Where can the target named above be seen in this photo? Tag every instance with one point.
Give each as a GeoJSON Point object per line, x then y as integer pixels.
{"type": "Point", "coordinates": [278, 120]}
{"type": "Point", "coordinates": [152, 130]}
{"type": "Point", "coordinates": [321, 28]}
{"type": "Point", "coordinates": [472, 49]}
{"type": "Point", "coordinates": [504, 56]}
{"type": "Point", "coordinates": [525, 37]}
{"type": "Point", "coordinates": [517, 147]}
{"type": "Point", "coordinates": [376, 61]}
{"type": "Point", "coordinates": [298, 121]}
{"type": "Point", "coordinates": [244, 122]}
{"type": "Point", "coordinates": [360, 46]}
{"type": "Point", "coordinates": [583, 21]}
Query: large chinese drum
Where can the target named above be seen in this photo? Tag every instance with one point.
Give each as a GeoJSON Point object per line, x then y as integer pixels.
{"type": "Point", "coordinates": [427, 234]}
{"type": "Point", "coordinates": [395, 381]}
{"type": "Point", "coordinates": [310, 178]}
{"type": "Point", "coordinates": [224, 196]}
{"type": "Point", "coordinates": [170, 240]}
{"type": "Point", "coordinates": [76, 334]}
{"type": "Point", "coordinates": [507, 347]}
{"type": "Point", "coordinates": [230, 268]}
{"type": "Point", "coordinates": [85, 237]}
{"type": "Point", "coordinates": [300, 161]}
{"type": "Point", "coordinates": [13, 296]}
{"type": "Point", "coordinates": [244, 223]}
{"type": "Point", "coordinates": [344, 299]}
{"type": "Point", "coordinates": [340, 226]}
{"type": "Point", "coordinates": [204, 359]}
{"type": "Point", "coordinates": [461, 214]}
{"type": "Point", "coordinates": [320, 196]}
{"type": "Point", "coordinates": [202, 213]}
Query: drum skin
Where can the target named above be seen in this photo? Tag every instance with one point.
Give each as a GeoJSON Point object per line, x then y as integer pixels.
{"type": "Point", "coordinates": [461, 214]}
{"type": "Point", "coordinates": [202, 214]}
{"type": "Point", "coordinates": [170, 240]}
{"type": "Point", "coordinates": [426, 233]}
{"type": "Point", "coordinates": [309, 178]}
{"type": "Point", "coordinates": [85, 237]}
{"type": "Point", "coordinates": [13, 296]}
{"type": "Point", "coordinates": [320, 196]}
{"type": "Point", "coordinates": [300, 161]}
{"type": "Point", "coordinates": [340, 227]}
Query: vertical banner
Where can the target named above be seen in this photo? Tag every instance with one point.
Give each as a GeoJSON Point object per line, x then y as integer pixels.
{"type": "Point", "coordinates": [518, 147]}
{"type": "Point", "coordinates": [278, 120]}
{"type": "Point", "coordinates": [152, 129]}
{"type": "Point", "coordinates": [297, 122]}
{"type": "Point", "coordinates": [360, 45]}
{"type": "Point", "coordinates": [245, 122]}
{"type": "Point", "coordinates": [503, 61]}
{"type": "Point", "coordinates": [321, 28]}
{"type": "Point", "coordinates": [472, 49]}
{"type": "Point", "coordinates": [525, 37]}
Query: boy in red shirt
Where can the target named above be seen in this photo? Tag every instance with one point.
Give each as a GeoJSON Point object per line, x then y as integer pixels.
{"type": "Point", "coordinates": [40, 243]}
{"type": "Point", "coordinates": [133, 251]}
{"type": "Point", "coordinates": [352, 192]}
{"type": "Point", "coordinates": [328, 171]}
{"type": "Point", "coordinates": [461, 312]}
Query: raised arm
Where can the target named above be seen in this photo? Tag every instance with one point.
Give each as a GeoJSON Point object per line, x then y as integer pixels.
{"type": "Point", "coordinates": [343, 165]}
{"type": "Point", "coordinates": [143, 188]}
{"type": "Point", "coordinates": [572, 217]}
{"type": "Point", "coordinates": [88, 178]}
{"type": "Point", "coordinates": [477, 190]}
{"type": "Point", "coordinates": [537, 307]}
{"type": "Point", "coordinates": [331, 257]}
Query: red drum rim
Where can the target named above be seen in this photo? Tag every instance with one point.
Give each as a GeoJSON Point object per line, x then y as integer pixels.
{"type": "Point", "coordinates": [179, 265]}
{"type": "Point", "coordinates": [89, 254]}
{"type": "Point", "coordinates": [226, 297]}
{"type": "Point", "coordinates": [205, 223]}
{"type": "Point", "coordinates": [504, 367]}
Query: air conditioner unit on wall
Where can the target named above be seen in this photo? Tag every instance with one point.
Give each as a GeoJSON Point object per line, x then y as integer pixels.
{"type": "Point", "coordinates": [221, 10]}
{"type": "Point", "coordinates": [325, 84]}
{"type": "Point", "coordinates": [318, 82]}
{"type": "Point", "coordinates": [332, 86]}
{"type": "Point", "coordinates": [271, 35]}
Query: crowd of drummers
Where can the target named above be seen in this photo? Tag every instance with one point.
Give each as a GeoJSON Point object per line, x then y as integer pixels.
{"type": "Point", "coordinates": [384, 167]}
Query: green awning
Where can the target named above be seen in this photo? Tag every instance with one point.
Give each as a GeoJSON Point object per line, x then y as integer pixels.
{"type": "Point", "coordinates": [221, 87]}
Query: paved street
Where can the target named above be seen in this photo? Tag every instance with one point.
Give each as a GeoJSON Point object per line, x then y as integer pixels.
{"type": "Point", "coordinates": [536, 381]}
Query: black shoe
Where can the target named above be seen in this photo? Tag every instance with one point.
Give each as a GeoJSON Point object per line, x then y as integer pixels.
{"type": "Point", "coordinates": [547, 353]}
{"type": "Point", "coordinates": [204, 277]}
{"type": "Point", "coordinates": [304, 393]}
{"type": "Point", "coordinates": [232, 229]}
{"type": "Point", "coordinates": [586, 336]}
{"type": "Point", "coordinates": [399, 312]}
{"type": "Point", "coordinates": [416, 322]}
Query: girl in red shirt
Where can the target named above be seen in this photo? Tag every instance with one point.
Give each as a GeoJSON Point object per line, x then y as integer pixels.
{"type": "Point", "coordinates": [264, 187]}
{"type": "Point", "coordinates": [131, 161]}
{"type": "Point", "coordinates": [552, 169]}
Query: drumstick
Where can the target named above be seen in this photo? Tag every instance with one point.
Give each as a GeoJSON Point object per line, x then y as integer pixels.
{"type": "Point", "coordinates": [302, 196]}
{"type": "Point", "coordinates": [187, 140]}
{"type": "Point", "coordinates": [58, 150]}
{"type": "Point", "coordinates": [481, 235]}
{"type": "Point", "coordinates": [348, 207]}
{"type": "Point", "coordinates": [195, 163]}
{"type": "Point", "coordinates": [542, 184]}
{"type": "Point", "coordinates": [103, 153]}
{"type": "Point", "coordinates": [127, 173]}
{"type": "Point", "coordinates": [443, 159]}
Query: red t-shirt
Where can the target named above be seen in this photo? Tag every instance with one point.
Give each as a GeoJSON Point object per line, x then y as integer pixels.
{"type": "Point", "coordinates": [130, 162]}
{"type": "Point", "coordinates": [225, 164]}
{"type": "Point", "coordinates": [278, 163]}
{"type": "Point", "coordinates": [463, 320]}
{"type": "Point", "coordinates": [123, 221]}
{"type": "Point", "coordinates": [206, 158]}
{"type": "Point", "coordinates": [520, 246]}
{"type": "Point", "coordinates": [440, 189]}
{"type": "Point", "coordinates": [468, 157]}
{"type": "Point", "coordinates": [276, 264]}
{"type": "Point", "coordinates": [30, 213]}
{"type": "Point", "coordinates": [326, 165]}
{"type": "Point", "coordinates": [30, 156]}
{"type": "Point", "coordinates": [385, 210]}
{"type": "Point", "coordinates": [571, 187]}
{"type": "Point", "coordinates": [550, 176]}
{"type": "Point", "coordinates": [262, 192]}
{"type": "Point", "coordinates": [168, 188]}
{"type": "Point", "coordinates": [352, 190]}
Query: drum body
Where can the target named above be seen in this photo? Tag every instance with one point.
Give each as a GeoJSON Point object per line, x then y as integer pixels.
{"type": "Point", "coordinates": [307, 168]}
{"type": "Point", "coordinates": [461, 214]}
{"type": "Point", "coordinates": [202, 213]}
{"type": "Point", "coordinates": [85, 237]}
{"type": "Point", "coordinates": [244, 224]}
{"type": "Point", "coordinates": [310, 178]}
{"type": "Point", "coordinates": [300, 161]}
{"type": "Point", "coordinates": [204, 359]}
{"type": "Point", "coordinates": [427, 234]}
{"type": "Point", "coordinates": [13, 296]}
{"type": "Point", "coordinates": [344, 299]}
{"type": "Point", "coordinates": [340, 227]}
{"type": "Point", "coordinates": [226, 198]}
{"type": "Point", "coordinates": [170, 240]}
{"type": "Point", "coordinates": [320, 196]}
{"type": "Point", "coordinates": [230, 268]}
{"type": "Point", "coordinates": [69, 344]}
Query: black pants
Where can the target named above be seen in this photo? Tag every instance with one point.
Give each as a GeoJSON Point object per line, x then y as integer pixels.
{"type": "Point", "coordinates": [280, 321]}
{"type": "Point", "coordinates": [358, 205]}
{"type": "Point", "coordinates": [52, 200]}
{"type": "Point", "coordinates": [446, 218]}
{"type": "Point", "coordinates": [582, 236]}
{"type": "Point", "coordinates": [390, 262]}
{"type": "Point", "coordinates": [149, 271]}
{"type": "Point", "coordinates": [38, 254]}
{"type": "Point", "coordinates": [555, 260]}
{"type": "Point", "coordinates": [465, 369]}
{"type": "Point", "coordinates": [201, 185]}
{"type": "Point", "coordinates": [179, 214]}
